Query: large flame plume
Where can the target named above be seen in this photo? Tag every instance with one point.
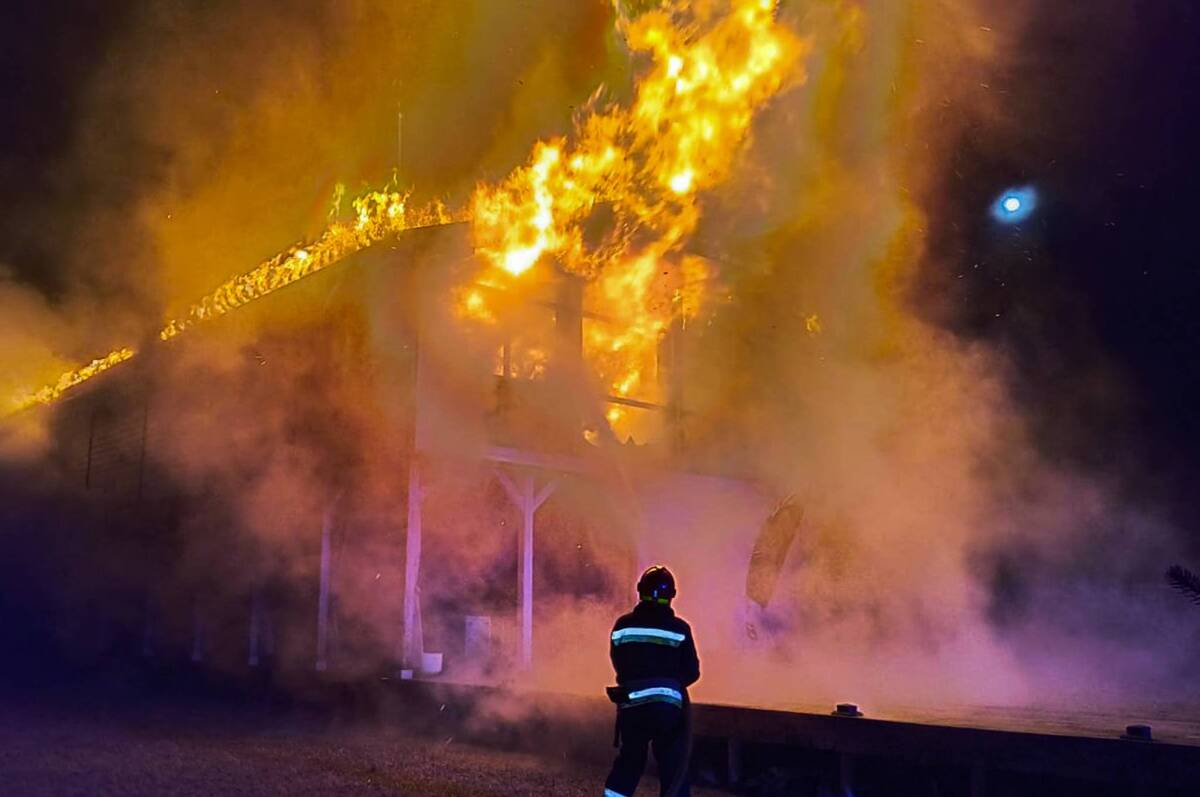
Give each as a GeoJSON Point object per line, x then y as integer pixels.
{"type": "Point", "coordinates": [710, 72]}
{"type": "Point", "coordinates": [709, 68]}
{"type": "Point", "coordinates": [640, 171]}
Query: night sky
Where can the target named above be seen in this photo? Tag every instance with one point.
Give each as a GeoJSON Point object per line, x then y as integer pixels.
{"type": "Point", "coordinates": [47, 52]}
{"type": "Point", "coordinates": [1095, 296]}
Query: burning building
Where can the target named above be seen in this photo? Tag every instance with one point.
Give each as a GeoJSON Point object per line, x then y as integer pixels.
{"type": "Point", "coordinates": [461, 423]}
{"type": "Point", "coordinates": [460, 427]}
{"type": "Point", "coordinates": [395, 460]}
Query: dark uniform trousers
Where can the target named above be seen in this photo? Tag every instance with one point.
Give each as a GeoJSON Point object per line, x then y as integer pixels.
{"type": "Point", "coordinates": [659, 727]}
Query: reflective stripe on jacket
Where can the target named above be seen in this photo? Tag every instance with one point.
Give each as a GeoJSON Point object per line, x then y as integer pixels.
{"type": "Point", "coordinates": [650, 643]}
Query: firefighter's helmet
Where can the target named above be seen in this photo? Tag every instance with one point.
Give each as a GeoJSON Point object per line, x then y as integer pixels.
{"type": "Point", "coordinates": [656, 584]}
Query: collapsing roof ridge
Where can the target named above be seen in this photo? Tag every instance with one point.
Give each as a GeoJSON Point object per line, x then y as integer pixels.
{"type": "Point", "coordinates": [280, 271]}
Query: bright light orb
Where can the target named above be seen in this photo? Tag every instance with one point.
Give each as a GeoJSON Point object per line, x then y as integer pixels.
{"type": "Point", "coordinates": [1014, 205]}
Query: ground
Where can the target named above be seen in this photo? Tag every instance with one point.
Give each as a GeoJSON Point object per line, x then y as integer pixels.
{"type": "Point", "coordinates": [56, 748]}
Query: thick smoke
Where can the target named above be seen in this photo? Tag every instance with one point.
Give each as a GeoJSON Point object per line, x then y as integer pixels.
{"type": "Point", "coordinates": [940, 557]}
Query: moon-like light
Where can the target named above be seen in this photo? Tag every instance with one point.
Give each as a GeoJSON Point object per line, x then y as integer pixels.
{"type": "Point", "coordinates": [1014, 205]}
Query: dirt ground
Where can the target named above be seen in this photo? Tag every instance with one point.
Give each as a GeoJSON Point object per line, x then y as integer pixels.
{"type": "Point", "coordinates": [206, 750]}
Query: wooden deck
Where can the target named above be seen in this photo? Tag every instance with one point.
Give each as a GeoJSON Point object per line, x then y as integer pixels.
{"type": "Point", "coordinates": [1058, 748]}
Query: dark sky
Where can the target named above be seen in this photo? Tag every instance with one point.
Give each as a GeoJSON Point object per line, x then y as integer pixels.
{"type": "Point", "coordinates": [46, 53]}
{"type": "Point", "coordinates": [1096, 296]}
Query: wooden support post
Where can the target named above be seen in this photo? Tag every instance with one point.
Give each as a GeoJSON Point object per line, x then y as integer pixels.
{"type": "Point", "coordinates": [142, 456]}
{"type": "Point", "coordinates": [255, 626]}
{"type": "Point", "coordinates": [522, 494]}
{"type": "Point", "coordinates": [733, 750]}
{"type": "Point", "coordinates": [198, 641]}
{"type": "Point", "coordinates": [323, 596]}
{"type": "Point", "coordinates": [846, 774]}
{"type": "Point", "coordinates": [568, 315]}
{"type": "Point", "coordinates": [148, 629]}
{"type": "Point", "coordinates": [525, 575]}
{"type": "Point", "coordinates": [671, 378]}
{"type": "Point", "coordinates": [87, 473]}
{"type": "Point", "coordinates": [978, 780]}
{"type": "Point", "coordinates": [413, 642]}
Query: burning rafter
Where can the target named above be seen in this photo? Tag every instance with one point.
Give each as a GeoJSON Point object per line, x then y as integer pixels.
{"type": "Point", "coordinates": [377, 215]}
{"type": "Point", "coordinates": [75, 377]}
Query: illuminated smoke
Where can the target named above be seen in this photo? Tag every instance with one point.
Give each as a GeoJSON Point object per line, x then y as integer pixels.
{"type": "Point", "coordinates": [693, 108]}
{"type": "Point", "coordinates": [788, 224]}
{"type": "Point", "coordinates": [377, 215]}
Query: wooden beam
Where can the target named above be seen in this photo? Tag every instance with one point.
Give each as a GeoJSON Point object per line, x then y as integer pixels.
{"type": "Point", "coordinates": [638, 403]}
{"type": "Point", "coordinates": [547, 490]}
{"type": "Point", "coordinates": [536, 459]}
{"type": "Point", "coordinates": [514, 494]}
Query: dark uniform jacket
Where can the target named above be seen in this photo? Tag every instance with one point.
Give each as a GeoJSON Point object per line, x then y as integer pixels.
{"type": "Point", "coordinates": [653, 653]}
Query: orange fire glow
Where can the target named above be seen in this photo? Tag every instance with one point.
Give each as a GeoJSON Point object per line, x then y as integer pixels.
{"type": "Point", "coordinates": [377, 215]}
{"type": "Point", "coordinates": [75, 377]}
{"type": "Point", "coordinates": [688, 122]}
{"type": "Point", "coordinates": [711, 66]}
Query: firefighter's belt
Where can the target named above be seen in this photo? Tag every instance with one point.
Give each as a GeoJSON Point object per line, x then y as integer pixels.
{"type": "Point", "coordinates": [647, 690]}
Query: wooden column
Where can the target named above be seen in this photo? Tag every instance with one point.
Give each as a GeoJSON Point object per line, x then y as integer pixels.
{"type": "Point", "coordinates": [323, 595]}
{"type": "Point", "coordinates": [256, 627]}
{"type": "Point", "coordinates": [413, 643]}
{"type": "Point", "coordinates": [198, 633]}
{"type": "Point", "coordinates": [522, 493]}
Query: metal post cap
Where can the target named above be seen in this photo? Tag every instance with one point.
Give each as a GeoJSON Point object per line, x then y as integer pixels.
{"type": "Point", "coordinates": [1138, 733]}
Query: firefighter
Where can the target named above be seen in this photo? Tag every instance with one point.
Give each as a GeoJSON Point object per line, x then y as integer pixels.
{"type": "Point", "coordinates": [654, 656]}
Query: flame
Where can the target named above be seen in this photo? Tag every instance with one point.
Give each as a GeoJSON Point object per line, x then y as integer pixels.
{"type": "Point", "coordinates": [711, 69]}
{"type": "Point", "coordinates": [624, 348]}
{"type": "Point", "coordinates": [642, 299]}
{"type": "Point", "coordinates": [70, 379]}
{"type": "Point", "coordinates": [682, 133]}
{"type": "Point", "coordinates": [377, 215]}
{"type": "Point", "coordinates": [473, 305]}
